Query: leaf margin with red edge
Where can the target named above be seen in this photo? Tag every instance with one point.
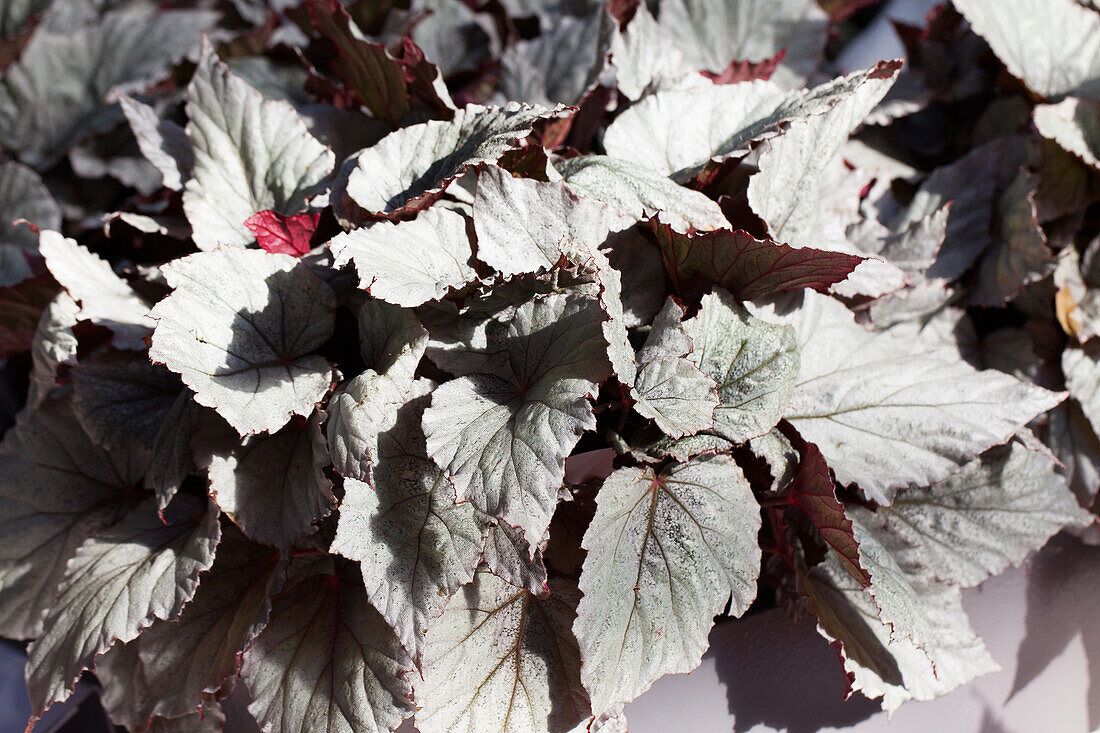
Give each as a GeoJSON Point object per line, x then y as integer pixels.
{"type": "Point", "coordinates": [749, 268]}
{"type": "Point", "coordinates": [745, 70]}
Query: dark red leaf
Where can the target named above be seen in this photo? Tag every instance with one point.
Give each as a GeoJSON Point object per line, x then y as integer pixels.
{"type": "Point", "coordinates": [421, 76]}
{"type": "Point", "coordinates": [366, 69]}
{"type": "Point", "coordinates": [739, 71]}
{"type": "Point", "coordinates": [812, 490]}
{"type": "Point", "coordinates": [21, 306]}
{"type": "Point", "coordinates": [745, 266]}
{"type": "Point", "coordinates": [288, 235]}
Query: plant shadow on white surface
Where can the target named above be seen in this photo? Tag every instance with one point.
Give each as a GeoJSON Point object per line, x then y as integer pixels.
{"type": "Point", "coordinates": [1060, 605]}
{"type": "Point", "coordinates": [761, 685]}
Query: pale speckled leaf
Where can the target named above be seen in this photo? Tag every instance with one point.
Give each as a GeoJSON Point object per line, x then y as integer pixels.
{"type": "Point", "coordinates": [679, 132]}
{"type": "Point", "coordinates": [172, 457]}
{"type": "Point", "coordinates": [641, 272]}
{"type": "Point", "coordinates": [119, 582]}
{"type": "Point", "coordinates": [987, 516]}
{"type": "Point", "coordinates": [68, 77]}
{"type": "Point", "coordinates": [415, 545]}
{"type": "Point", "coordinates": [669, 386]}
{"type": "Point", "coordinates": [105, 299]}
{"type": "Point", "coordinates": [1081, 367]}
{"type": "Point", "coordinates": [640, 192]}
{"type": "Point", "coordinates": [119, 397]}
{"type": "Point", "coordinates": [172, 667]}
{"type": "Point", "coordinates": [251, 154]}
{"type": "Point", "coordinates": [411, 167]}
{"type": "Point", "coordinates": [504, 440]}
{"type": "Point", "coordinates": [882, 660]}
{"type": "Point", "coordinates": [664, 554]}
{"type": "Point", "coordinates": [239, 327]}
{"type": "Point", "coordinates": [22, 196]}
{"type": "Point", "coordinates": [272, 486]}
{"type": "Point", "coordinates": [1075, 125]}
{"type": "Point", "coordinates": [889, 410]}
{"type": "Point", "coordinates": [526, 226]}
{"type": "Point", "coordinates": [1053, 46]}
{"type": "Point", "coordinates": [57, 488]}
{"type": "Point", "coordinates": [646, 60]}
{"type": "Point", "coordinates": [712, 33]}
{"type": "Point", "coordinates": [509, 557]}
{"type": "Point", "coordinates": [163, 143]}
{"type": "Point", "coordinates": [500, 659]}
{"type": "Point", "coordinates": [559, 64]}
{"type": "Point", "coordinates": [754, 363]}
{"type": "Point", "coordinates": [410, 262]}
{"type": "Point", "coordinates": [326, 658]}
{"type": "Point", "coordinates": [790, 189]}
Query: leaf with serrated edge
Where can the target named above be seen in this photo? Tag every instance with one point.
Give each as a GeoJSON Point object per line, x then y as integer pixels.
{"type": "Point", "coordinates": [745, 266]}
{"type": "Point", "coordinates": [415, 545]}
{"type": "Point", "coordinates": [1053, 46]}
{"type": "Point", "coordinates": [411, 167]}
{"type": "Point", "coordinates": [1075, 125]}
{"type": "Point", "coordinates": [526, 226]}
{"type": "Point", "coordinates": [754, 363]}
{"type": "Point", "coordinates": [57, 488]}
{"type": "Point", "coordinates": [664, 554]}
{"type": "Point", "coordinates": [239, 327]}
{"type": "Point", "coordinates": [891, 410]}
{"type": "Point", "coordinates": [273, 486]}
{"type": "Point", "coordinates": [326, 658]}
{"type": "Point", "coordinates": [640, 192]}
{"type": "Point", "coordinates": [119, 582]}
{"type": "Point", "coordinates": [880, 659]}
{"type": "Point", "coordinates": [669, 386]}
{"type": "Point", "coordinates": [105, 299]}
{"type": "Point", "coordinates": [169, 668]}
{"type": "Point", "coordinates": [251, 154]}
{"type": "Point", "coordinates": [679, 132]}
{"type": "Point", "coordinates": [987, 516]}
{"type": "Point", "coordinates": [163, 143]}
{"type": "Point", "coordinates": [410, 262]}
{"type": "Point", "coordinates": [509, 557]}
{"type": "Point", "coordinates": [504, 439]}
{"type": "Point", "coordinates": [500, 659]}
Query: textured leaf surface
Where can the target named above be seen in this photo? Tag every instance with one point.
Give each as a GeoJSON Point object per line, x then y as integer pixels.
{"type": "Point", "coordinates": [105, 299]}
{"type": "Point", "coordinates": [57, 488]}
{"type": "Point", "coordinates": [411, 167]}
{"type": "Point", "coordinates": [168, 670]}
{"type": "Point", "coordinates": [503, 438]}
{"type": "Point", "coordinates": [121, 397]}
{"type": "Point", "coordinates": [288, 235]}
{"type": "Point", "coordinates": [640, 192]}
{"type": "Point", "coordinates": [887, 410]}
{"type": "Point", "coordinates": [664, 554]}
{"type": "Point", "coordinates": [881, 659]}
{"type": "Point", "coordinates": [500, 659]}
{"type": "Point", "coordinates": [1075, 125]}
{"type": "Point", "coordinates": [273, 486]}
{"type": "Point", "coordinates": [558, 65]}
{"type": "Point", "coordinates": [22, 196]}
{"type": "Point", "coordinates": [409, 262]}
{"type": "Point", "coordinates": [678, 132]}
{"type": "Point", "coordinates": [712, 33]}
{"type": "Point", "coordinates": [754, 364]}
{"type": "Point", "coordinates": [326, 658]}
{"type": "Point", "coordinates": [508, 556]}
{"type": "Point", "coordinates": [239, 327]}
{"type": "Point", "coordinates": [119, 582]}
{"type": "Point", "coordinates": [745, 266]}
{"type": "Point", "coordinates": [987, 516]}
{"type": "Point", "coordinates": [524, 225]}
{"type": "Point", "coordinates": [1053, 46]}
{"type": "Point", "coordinates": [251, 155]}
{"type": "Point", "coordinates": [416, 546]}
{"type": "Point", "coordinates": [669, 386]}
{"type": "Point", "coordinates": [67, 77]}
{"type": "Point", "coordinates": [163, 143]}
